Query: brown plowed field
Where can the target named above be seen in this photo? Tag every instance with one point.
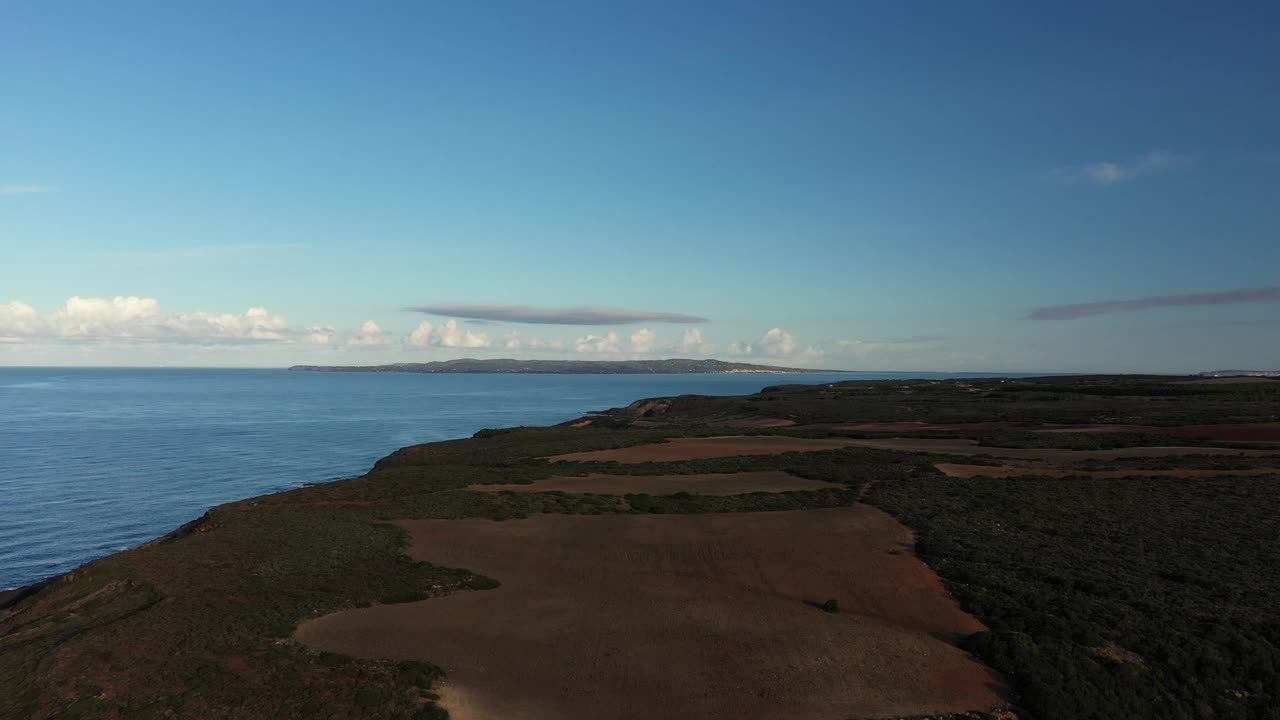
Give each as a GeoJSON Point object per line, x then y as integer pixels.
{"type": "Point", "coordinates": [679, 616]}
{"type": "Point", "coordinates": [677, 449]}
{"type": "Point", "coordinates": [968, 471]}
{"type": "Point", "coordinates": [963, 446]}
{"type": "Point", "coordinates": [710, 484]}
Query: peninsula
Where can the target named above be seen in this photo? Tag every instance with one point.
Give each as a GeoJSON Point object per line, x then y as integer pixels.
{"type": "Point", "coordinates": [1062, 548]}
{"type": "Point", "coordinates": [673, 366]}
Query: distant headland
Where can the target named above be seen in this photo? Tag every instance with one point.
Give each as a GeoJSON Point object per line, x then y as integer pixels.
{"type": "Point", "coordinates": [1242, 373]}
{"type": "Point", "coordinates": [674, 366]}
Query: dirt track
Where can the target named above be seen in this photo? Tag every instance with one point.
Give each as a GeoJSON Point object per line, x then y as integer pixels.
{"type": "Point", "coordinates": [961, 446]}
{"type": "Point", "coordinates": [677, 449]}
{"type": "Point", "coordinates": [711, 484]}
{"type": "Point", "coordinates": [968, 471]}
{"type": "Point", "coordinates": [1236, 432]}
{"type": "Point", "coordinates": [920, 427]}
{"type": "Point", "coordinates": [692, 616]}
{"type": "Point", "coordinates": [761, 423]}
{"type": "Point", "coordinates": [1239, 432]}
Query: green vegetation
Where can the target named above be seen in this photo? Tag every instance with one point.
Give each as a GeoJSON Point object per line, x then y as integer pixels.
{"type": "Point", "coordinates": [1138, 400]}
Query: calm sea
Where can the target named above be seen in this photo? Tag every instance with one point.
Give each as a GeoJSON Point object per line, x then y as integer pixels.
{"type": "Point", "coordinates": [97, 460]}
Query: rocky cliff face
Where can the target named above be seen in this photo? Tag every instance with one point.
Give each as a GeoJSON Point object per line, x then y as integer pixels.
{"type": "Point", "coordinates": [645, 408]}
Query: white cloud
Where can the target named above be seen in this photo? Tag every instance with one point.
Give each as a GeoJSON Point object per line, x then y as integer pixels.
{"type": "Point", "coordinates": [370, 336]}
{"type": "Point", "coordinates": [422, 335]}
{"type": "Point", "coordinates": [1111, 173]}
{"type": "Point", "coordinates": [920, 352]}
{"type": "Point", "coordinates": [861, 348]}
{"type": "Point", "coordinates": [598, 344]}
{"type": "Point", "coordinates": [453, 336]}
{"type": "Point", "coordinates": [693, 344]}
{"type": "Point", "coordinates": [139, 319]}
{"type": "Point", "coordinates": [448, 335]}
{"type": "Point", "coordinates": [24, 189]}
{"type": "Point", "coordinates": [520, 341]}
{"type": "Point", "coordinates": [778, 344]}
{"type": "Point", "coordinates": [868, 348]}
{"type": "Point", "coordinates": [18, 319]}
{"type": "Point", "coordinates": [642, 340]}
{"type": "Point", "coordinates": [317, 335]}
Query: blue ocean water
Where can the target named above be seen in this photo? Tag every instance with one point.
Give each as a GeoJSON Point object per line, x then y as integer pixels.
{"type": "Point", "coordinates": [98, 460]}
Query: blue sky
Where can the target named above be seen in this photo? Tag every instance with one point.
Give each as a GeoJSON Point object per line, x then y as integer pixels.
{"type": "Point", "coordinates": [845, 185]}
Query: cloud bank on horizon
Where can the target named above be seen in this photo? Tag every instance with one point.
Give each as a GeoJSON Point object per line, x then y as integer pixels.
{"type": "Point", "coordinates": [134, 319]}
{"type": "Point", "coordinates": [98, 327]}
{"type": "Point", "coordinates": [131, 323]}
{"type": "Point", "coordinates": [1107, 307]}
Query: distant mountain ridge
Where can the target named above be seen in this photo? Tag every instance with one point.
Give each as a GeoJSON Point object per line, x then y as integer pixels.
{"type": "Point", "coordinates": [674, 366]}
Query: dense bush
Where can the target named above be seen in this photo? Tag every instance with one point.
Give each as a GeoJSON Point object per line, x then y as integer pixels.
{"type": "Point", "coordinates": [1134, 598]}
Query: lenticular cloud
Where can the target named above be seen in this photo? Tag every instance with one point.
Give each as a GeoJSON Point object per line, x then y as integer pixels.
{"type": "Point", "coordinates": [555, 316]}
{"type": "Point", "coordinates": [1227, 297]}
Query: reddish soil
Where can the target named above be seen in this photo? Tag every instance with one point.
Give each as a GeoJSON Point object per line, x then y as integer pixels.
{"type": "Point", "coordinates": [680, 616]}
{"type": "Point", "coordinates": [677, 449]}
{"type": "Point", "coordinates": [968, 471]}
{"type": "Point", "coordinates": [963, 446]}
{"type": "Point", "coordinates": [709, 484]}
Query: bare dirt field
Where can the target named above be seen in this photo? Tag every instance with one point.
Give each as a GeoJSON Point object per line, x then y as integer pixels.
{"type": "Point", "coordinates": [677, 449]}
{"type": "Point", "coordinates": [680, 616]}
{"type": "Point", "coordinates": [708, 484]}
{"type": "Point", "coordinates": [967, 471]}
{"type": "Point", "coordinates": [962, 446]}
